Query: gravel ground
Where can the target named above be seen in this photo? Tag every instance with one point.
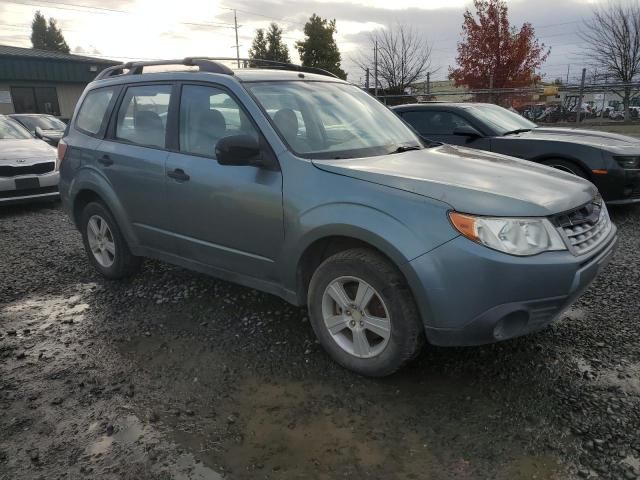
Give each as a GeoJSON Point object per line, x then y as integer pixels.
{"type": "Point", "coordinates": [175, 375]}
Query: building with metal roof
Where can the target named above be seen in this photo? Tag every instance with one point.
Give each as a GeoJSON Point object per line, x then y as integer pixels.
{"type": "Point", "coordinates": [40, 81]}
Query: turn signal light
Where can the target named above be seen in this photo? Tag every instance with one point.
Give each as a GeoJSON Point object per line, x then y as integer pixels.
{"type": "Point", "coordinates": [465, 224]}
{"type": "Point", "coordinates": [62, 151]}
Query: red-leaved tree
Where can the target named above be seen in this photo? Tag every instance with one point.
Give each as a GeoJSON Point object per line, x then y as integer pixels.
{"type": "Point", "coordinates": [493, 53]}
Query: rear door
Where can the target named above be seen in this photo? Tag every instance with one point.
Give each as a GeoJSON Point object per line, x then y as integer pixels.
{"type": "Point", "coordinates": [133, 156]}
{"type": "Point", "coordinates": [228, 217]}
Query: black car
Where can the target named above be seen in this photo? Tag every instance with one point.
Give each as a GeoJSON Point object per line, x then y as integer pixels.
{"type": "Point", "coordinates": [46, 127]}
{"type": "Point", "coordinates": [610, 161]}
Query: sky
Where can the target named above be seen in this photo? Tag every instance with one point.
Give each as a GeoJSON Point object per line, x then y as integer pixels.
{"type": "Point", "coordinates": [152, 29]}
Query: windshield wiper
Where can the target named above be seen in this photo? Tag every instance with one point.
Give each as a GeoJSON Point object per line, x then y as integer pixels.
{"type": "Point", "coordinates": [517, 130]}
{"type": "Point", "coordinates": [405, 148]}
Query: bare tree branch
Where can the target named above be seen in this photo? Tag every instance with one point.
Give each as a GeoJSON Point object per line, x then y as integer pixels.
{"type": "Point", "coordinates": [612, 35]}
{"type": "Point", "coordinates": [404, 57]}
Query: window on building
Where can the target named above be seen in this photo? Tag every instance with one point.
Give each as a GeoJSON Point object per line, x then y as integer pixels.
{"type": "Point", "coordinates": [35, 100]}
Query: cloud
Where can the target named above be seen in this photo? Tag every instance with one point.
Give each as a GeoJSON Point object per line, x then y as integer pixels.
{"type": "Point", "coordinates": [157, 29]}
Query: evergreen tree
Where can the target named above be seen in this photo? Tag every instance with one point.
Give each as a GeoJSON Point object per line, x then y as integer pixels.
{"type": "Point", "coordinates": [319, 48]}
{"type": "Point", "coordinates": [259, 46]}
{"type": "Point", "coordinates": [47, 36]}
{"type": "Point", "coordinates": [55, 39]}
{"type": "Point", "coordinates": [276, 49]}
{"type": "Point", "coordinates": [39, 31]}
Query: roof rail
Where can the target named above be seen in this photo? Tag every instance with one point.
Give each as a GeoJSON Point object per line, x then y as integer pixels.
{"type": "Point", "coordinates": [257, 62]}
{"type": "Point", "coordinates": [208, 64]}
{"type": "Point", "coordinates": [136, 68]}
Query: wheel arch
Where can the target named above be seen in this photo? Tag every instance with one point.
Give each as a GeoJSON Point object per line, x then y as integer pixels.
{"type": "Point", "coordinates": [548, 158]}
{"type": "Point", "coordinates": [324, 246]}
{"type": "Point", "coordinates": [89, 187]}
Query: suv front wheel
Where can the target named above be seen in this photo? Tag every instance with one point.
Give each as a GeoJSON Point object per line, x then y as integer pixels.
{"type": "Point", "coordinates": [106, 248]}
{"type": "Point", "coordinates": [363, 313]}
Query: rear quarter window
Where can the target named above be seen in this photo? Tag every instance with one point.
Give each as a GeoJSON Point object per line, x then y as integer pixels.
{"type": "Point", "coordinates": [93, 112]}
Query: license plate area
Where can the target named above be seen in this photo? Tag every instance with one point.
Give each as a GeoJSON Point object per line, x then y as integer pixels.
{"type": "Point", "coordinates": [27, 183]}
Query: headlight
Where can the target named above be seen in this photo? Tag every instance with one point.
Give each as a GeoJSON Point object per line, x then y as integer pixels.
{"type": "Point", "coordinates": [515, 236]}
{"type": "Point", "coordinates": [628, 163]}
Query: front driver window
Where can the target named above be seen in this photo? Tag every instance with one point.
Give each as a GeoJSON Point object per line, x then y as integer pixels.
{"type": "Point", "coordinates": [208, 114]}
{"type": "Point", "coordinates": [434, 122]}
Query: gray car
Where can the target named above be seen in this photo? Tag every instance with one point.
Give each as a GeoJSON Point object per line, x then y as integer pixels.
{"type": "Point", "coordinates": [306, 187]}
{"type": "Point", "coordinates": [28, 166]}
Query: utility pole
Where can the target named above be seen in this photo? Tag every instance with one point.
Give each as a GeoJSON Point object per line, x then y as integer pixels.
{"type": "Point", "coordinates": [366, 82]}
{"type": "Point", "coordinates": [375, 69]}
{"type": "Point", "coordinates": [428, 85]}
{"type": "Point", "coordinates": [568, 67]}
{"type": "Point", "coordinates": [491, 89]}
{"type": "Point", "coordinates": [584, 74]}
{"type": "Point", "coordinates": [235, 21]}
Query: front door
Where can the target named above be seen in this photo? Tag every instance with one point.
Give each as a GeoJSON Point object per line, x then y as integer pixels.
{"type": "Point", "coordinates": [133, 159]}
{"type": "Point", "coordinates": [227, 217]}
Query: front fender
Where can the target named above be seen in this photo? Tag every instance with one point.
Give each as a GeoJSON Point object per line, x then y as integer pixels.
{"type": "Point", "coordinates": [398, 237]}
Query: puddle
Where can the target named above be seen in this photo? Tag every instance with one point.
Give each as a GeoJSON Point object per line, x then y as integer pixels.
{"type": "Point", "coordinates": [626, 377]}
{"type": "Point", "coordinates": [50, 310]}
{"type": "Point", "coordinates": [632, 462]}
{"type": "Point", "coordinates": [132, 436]}
{"type": "Point", "coordinates": [311, 430]}
{"type": "Point", "coordinates": [541, 468]}
{"type": "Point", "coordinates": [574, 313]}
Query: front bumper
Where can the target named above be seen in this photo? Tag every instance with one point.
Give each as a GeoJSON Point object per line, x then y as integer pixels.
{"type": "Point", "coordinates": [619, 187]}
{"type": "Point", "coordinates": [471, 295]}
{"type": "Point", "coordinates": [48, 189]}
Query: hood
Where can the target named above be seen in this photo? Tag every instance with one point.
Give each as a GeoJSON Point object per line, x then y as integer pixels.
{"type": "Point", "coordinates": [472, 181]}
{"type": "Point", "coordinates": [605, 140]}
{"type": "Point", "coordinates": [30, 150]}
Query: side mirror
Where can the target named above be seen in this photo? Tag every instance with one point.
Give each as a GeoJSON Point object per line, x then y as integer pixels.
{"type": "Point", "coordinates": [38, 132]}
{"type": "Point", "coordinates": [238, 150]}
{"type": "Point", "coordinates": [467, 131]}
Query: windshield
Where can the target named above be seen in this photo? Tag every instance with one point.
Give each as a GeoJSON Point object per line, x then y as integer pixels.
{"type": "Point", "coordinates": [43, 121]}
{"type": "Point", "coordinates": [501, 119]}
{"type": "Point", "coordinates": [11, 130]}
{"type": "Point", "coordinates": [332, 120]}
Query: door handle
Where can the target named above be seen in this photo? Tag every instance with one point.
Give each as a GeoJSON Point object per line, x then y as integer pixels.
{"type": "Point", "coordinates": [105, 160]}
{"type": "Point", "coordinates": [178, 174]}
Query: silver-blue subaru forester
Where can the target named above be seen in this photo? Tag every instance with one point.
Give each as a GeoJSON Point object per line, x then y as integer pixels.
{"type": "Point", "coordinates": [299, 184]}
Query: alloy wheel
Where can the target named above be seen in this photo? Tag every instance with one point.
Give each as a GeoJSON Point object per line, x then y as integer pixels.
{"type": "Point", "coordinates": [356, 317]}
{"type": "Point", "coordinates": [101, 241]}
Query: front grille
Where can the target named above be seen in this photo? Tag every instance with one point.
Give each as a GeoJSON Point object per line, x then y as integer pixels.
{"type": "Point", "coordinates": [35, 169]}
{"type": "Point", "coordinates": [27, 192]}
{"type": "Point", "coordinates": [585, 228]}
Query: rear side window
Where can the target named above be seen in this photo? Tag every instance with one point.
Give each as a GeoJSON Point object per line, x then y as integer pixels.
{"type": "Point", "coordinates": [434, 122]}
{"type": "Point", "coordinates": [142, 118]}
{"type": "Point", "coordinates": [93, 110]}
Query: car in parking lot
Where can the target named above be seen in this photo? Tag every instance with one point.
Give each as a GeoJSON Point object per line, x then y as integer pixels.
{"type": "Point", "coordinates": [304, 186]}
{"type": "Point", "coordinates": [28, 166]}
{"type": "Point", "coordinates": [610, 161]}
{"type": "Point", "coordinates": [42, 126]}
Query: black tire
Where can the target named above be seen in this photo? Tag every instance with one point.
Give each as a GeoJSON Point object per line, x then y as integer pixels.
{"type": "Point", "coordinates": [567, 166]}
{"type": "Point", "coordinates": [124, 263]}
{"type": "Point", "coordinates": [406, 332]}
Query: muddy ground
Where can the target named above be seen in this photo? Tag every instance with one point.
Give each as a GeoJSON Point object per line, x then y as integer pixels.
{"type": "Point", "coordinates": [174, 375]}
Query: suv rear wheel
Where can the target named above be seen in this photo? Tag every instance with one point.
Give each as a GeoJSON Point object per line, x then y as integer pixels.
{"type": "Point", "coordinates": [363, 313]}
{"type": "Point", "coordinates": [106, 248]}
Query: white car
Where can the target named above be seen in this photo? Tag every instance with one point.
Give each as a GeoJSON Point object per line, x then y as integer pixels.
{"type": "Point", "coordinates": [28, 166]}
